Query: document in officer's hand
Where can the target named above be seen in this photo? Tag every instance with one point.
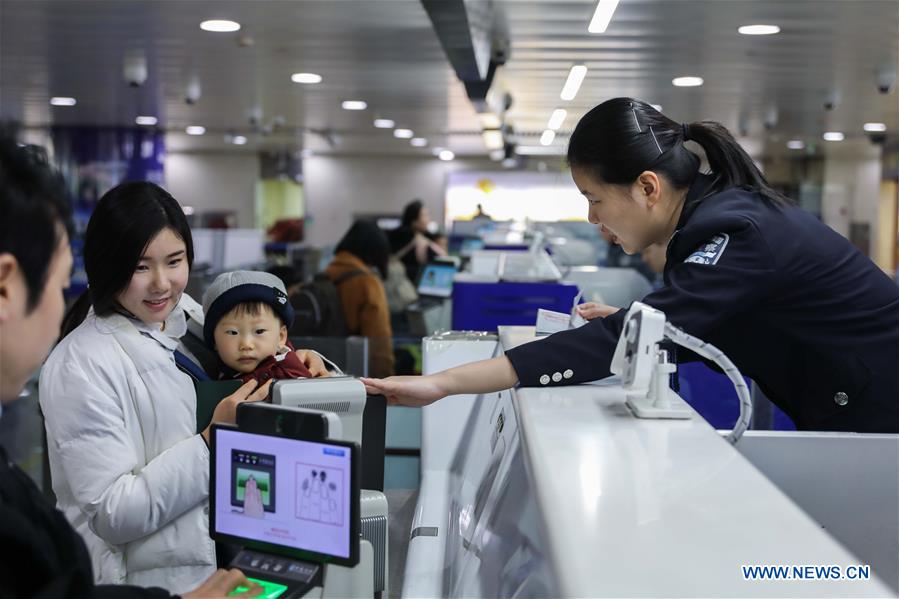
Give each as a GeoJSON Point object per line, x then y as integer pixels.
{"type": "Point", "coordinates": [549, 322]}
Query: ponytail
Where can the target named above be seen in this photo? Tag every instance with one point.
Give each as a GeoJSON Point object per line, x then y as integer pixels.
{"type": "Point", "coordinates": [728, 160]}
{"type": "Point", "coordinates": [622, 137]}
{"type": "Point", "coordinates": [76, 314]}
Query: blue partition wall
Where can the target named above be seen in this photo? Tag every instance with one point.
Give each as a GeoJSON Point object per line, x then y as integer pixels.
{"type": "Point", "coordinates": [485, 306]}
{"type": "Point", "coordinates": [713, 396]}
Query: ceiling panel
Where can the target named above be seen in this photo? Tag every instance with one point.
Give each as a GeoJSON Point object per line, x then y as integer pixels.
{"type": "Point", "coordinates": [386, 52]}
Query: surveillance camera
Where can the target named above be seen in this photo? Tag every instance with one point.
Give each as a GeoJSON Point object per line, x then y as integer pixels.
{"type": "Point", "coordinates": [192, 92]}
{"type": "Point", "coordinates": [832, 100]}
{"type": "Point", "coordinates": [254, 116]}
{"type": "Point", "coordinates": [771, 118]}
{"type": "Point", "coordinates": [507, 101]}
{"type": "Point", "coordinates": [743, 125]}
{"type": "Point", "coordinates": [135, 70]}
{"type": "Point", "coordinates": [886, 80]}
{"type": "Point", "coordinates": [500, 52]}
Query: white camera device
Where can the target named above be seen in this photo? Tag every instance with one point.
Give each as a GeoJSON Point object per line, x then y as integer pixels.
{"type": "Point", "coordinates": [644, 367]}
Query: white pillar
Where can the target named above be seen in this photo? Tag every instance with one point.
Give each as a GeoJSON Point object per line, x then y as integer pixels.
{"type": "Point", "coordinates": [852, 172]}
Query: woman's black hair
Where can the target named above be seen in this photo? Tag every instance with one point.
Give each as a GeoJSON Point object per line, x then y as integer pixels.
{"type": "Point", "coordinates": [622, 137]}
{"type": "Point", "coordinates": [123, 224]}
{"type": "Point", "coordinates": [368, 242]}
{"type": "Point", "coordinates": [411, 212]}
{"type": "Point", "coordinates": [35, 211]}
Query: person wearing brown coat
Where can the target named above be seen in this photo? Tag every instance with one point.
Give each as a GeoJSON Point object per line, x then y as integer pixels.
{"type": "Point", "coordinates": [365, 248]}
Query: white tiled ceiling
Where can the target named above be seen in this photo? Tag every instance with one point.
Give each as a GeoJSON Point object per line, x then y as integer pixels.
{"type": "Point", "coordinates": [386, 53]}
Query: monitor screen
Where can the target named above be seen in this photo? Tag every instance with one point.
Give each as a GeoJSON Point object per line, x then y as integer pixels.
{"type": "Point", "coordinates": [437, 279]}
{"type": "Point", "coordinates": [285, 495]}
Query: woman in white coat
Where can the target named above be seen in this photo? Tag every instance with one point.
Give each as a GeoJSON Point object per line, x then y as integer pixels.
{"type": "Point", "coordinates": [129, 470]}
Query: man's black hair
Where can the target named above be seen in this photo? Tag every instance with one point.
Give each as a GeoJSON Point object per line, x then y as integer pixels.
{"type": "Point", "coordinates": [35, 212]}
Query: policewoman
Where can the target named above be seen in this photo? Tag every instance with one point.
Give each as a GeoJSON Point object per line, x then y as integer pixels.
{"type": "Point", "coordinates": [793, 304]}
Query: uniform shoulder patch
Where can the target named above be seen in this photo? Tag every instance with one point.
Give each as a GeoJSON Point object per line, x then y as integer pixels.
{"type": "Point", "coordinates": [710, 252]}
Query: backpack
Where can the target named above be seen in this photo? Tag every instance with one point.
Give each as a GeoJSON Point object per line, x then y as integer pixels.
{"type": "Point", "coordinates": [399, 289]}
{"type": "Point", "coordinates": [317, 308]}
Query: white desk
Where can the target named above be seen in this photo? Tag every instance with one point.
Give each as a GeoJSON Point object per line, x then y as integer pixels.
{"type": "Point", "coordinates": [573, 496]}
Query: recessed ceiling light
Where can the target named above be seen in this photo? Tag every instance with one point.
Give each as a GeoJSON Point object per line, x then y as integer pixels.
{"type": "Point", "coordinates": [354, 105]}
{"type": "Point", "coordinates": [796, 144]}
{"type": "Point", "coordinates": [497, 155]}
{"type": "Point", "coordinates": [220, 26]}
{"type": "Point", "coordinates": [875, 127]}
{"type": "Point", "coordinates": [557, 118]}
{"type": "Point", "coordinates": [195, 130]}
{"type": "Point", "coordinates": [384, 123]}
{"type": "Point", "coordinates": [418, 142]}
{"type": "Point", "coordinates": [146, 120]}
{"type": "Point", "coordinates": [556, 150]}
{"type": "Point", "coordinates": [62, 101]}
{"type": "Point", "coordinates": [547, 138]}
{"type": "Point", "coordinates": [446, 155]}
{"type": "Point", "coordinates": [687, 81]}
{"type": "Point", "coordinates": [573, 83]}
{"type": "Point", "coordinates": [601, 17]}
{"type": "Point", "coordinates": [403, 133]}
{"type": "Point", "coordinates": [759, 29]}
{"type": "Point", "coordinates": [239, 140]}
{"type": "Point", "coordinates": [306, 78]}
{"type": "Point", "coordinates": [834, 136]}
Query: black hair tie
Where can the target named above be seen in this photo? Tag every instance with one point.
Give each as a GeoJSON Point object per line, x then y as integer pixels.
{"type": "Point", "coordinates": [685, 131]}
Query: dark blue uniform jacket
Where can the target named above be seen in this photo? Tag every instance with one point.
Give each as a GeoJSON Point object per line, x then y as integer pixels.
{"type": "Point", "coordinates": [792, 303]}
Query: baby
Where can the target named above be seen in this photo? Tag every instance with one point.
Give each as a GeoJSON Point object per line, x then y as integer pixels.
{"type": "Point", "coordinates": [247, 317]}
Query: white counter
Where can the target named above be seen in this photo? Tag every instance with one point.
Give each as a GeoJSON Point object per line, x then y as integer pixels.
{"type": "Point", "coordinates": [659, 507]}
{"type": "Point", "coordinates": [562, 492]}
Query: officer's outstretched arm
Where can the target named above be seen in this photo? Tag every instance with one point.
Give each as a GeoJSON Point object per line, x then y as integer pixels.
{"type": "Point", "coordinates": [485, 376]}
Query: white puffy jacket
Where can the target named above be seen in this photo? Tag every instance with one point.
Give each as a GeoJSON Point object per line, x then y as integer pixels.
{"type": "Point", "coordinates": [129, 470]}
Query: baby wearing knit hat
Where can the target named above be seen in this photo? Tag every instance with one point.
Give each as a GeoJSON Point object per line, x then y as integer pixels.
{"type": "Point", "coordinates": [247, 314]}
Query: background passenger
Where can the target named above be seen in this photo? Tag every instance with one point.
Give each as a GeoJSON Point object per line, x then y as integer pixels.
{"type": "Point", "coordinates": [365, 249]}
{"type": "Point", "coordinates": [410, 243]}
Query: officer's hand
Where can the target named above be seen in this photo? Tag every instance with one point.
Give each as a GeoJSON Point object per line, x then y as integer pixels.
{"type": "Point", "coordinates": [415, 391]}
{"type": "Point", "coordinates": [226, 410]}
{"type": "Point", "coordinates": [591, 310]}
{"type": "Point", "coordinates": [222, 583]}
{"type": "Point", "coordinates": [313, 362]}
